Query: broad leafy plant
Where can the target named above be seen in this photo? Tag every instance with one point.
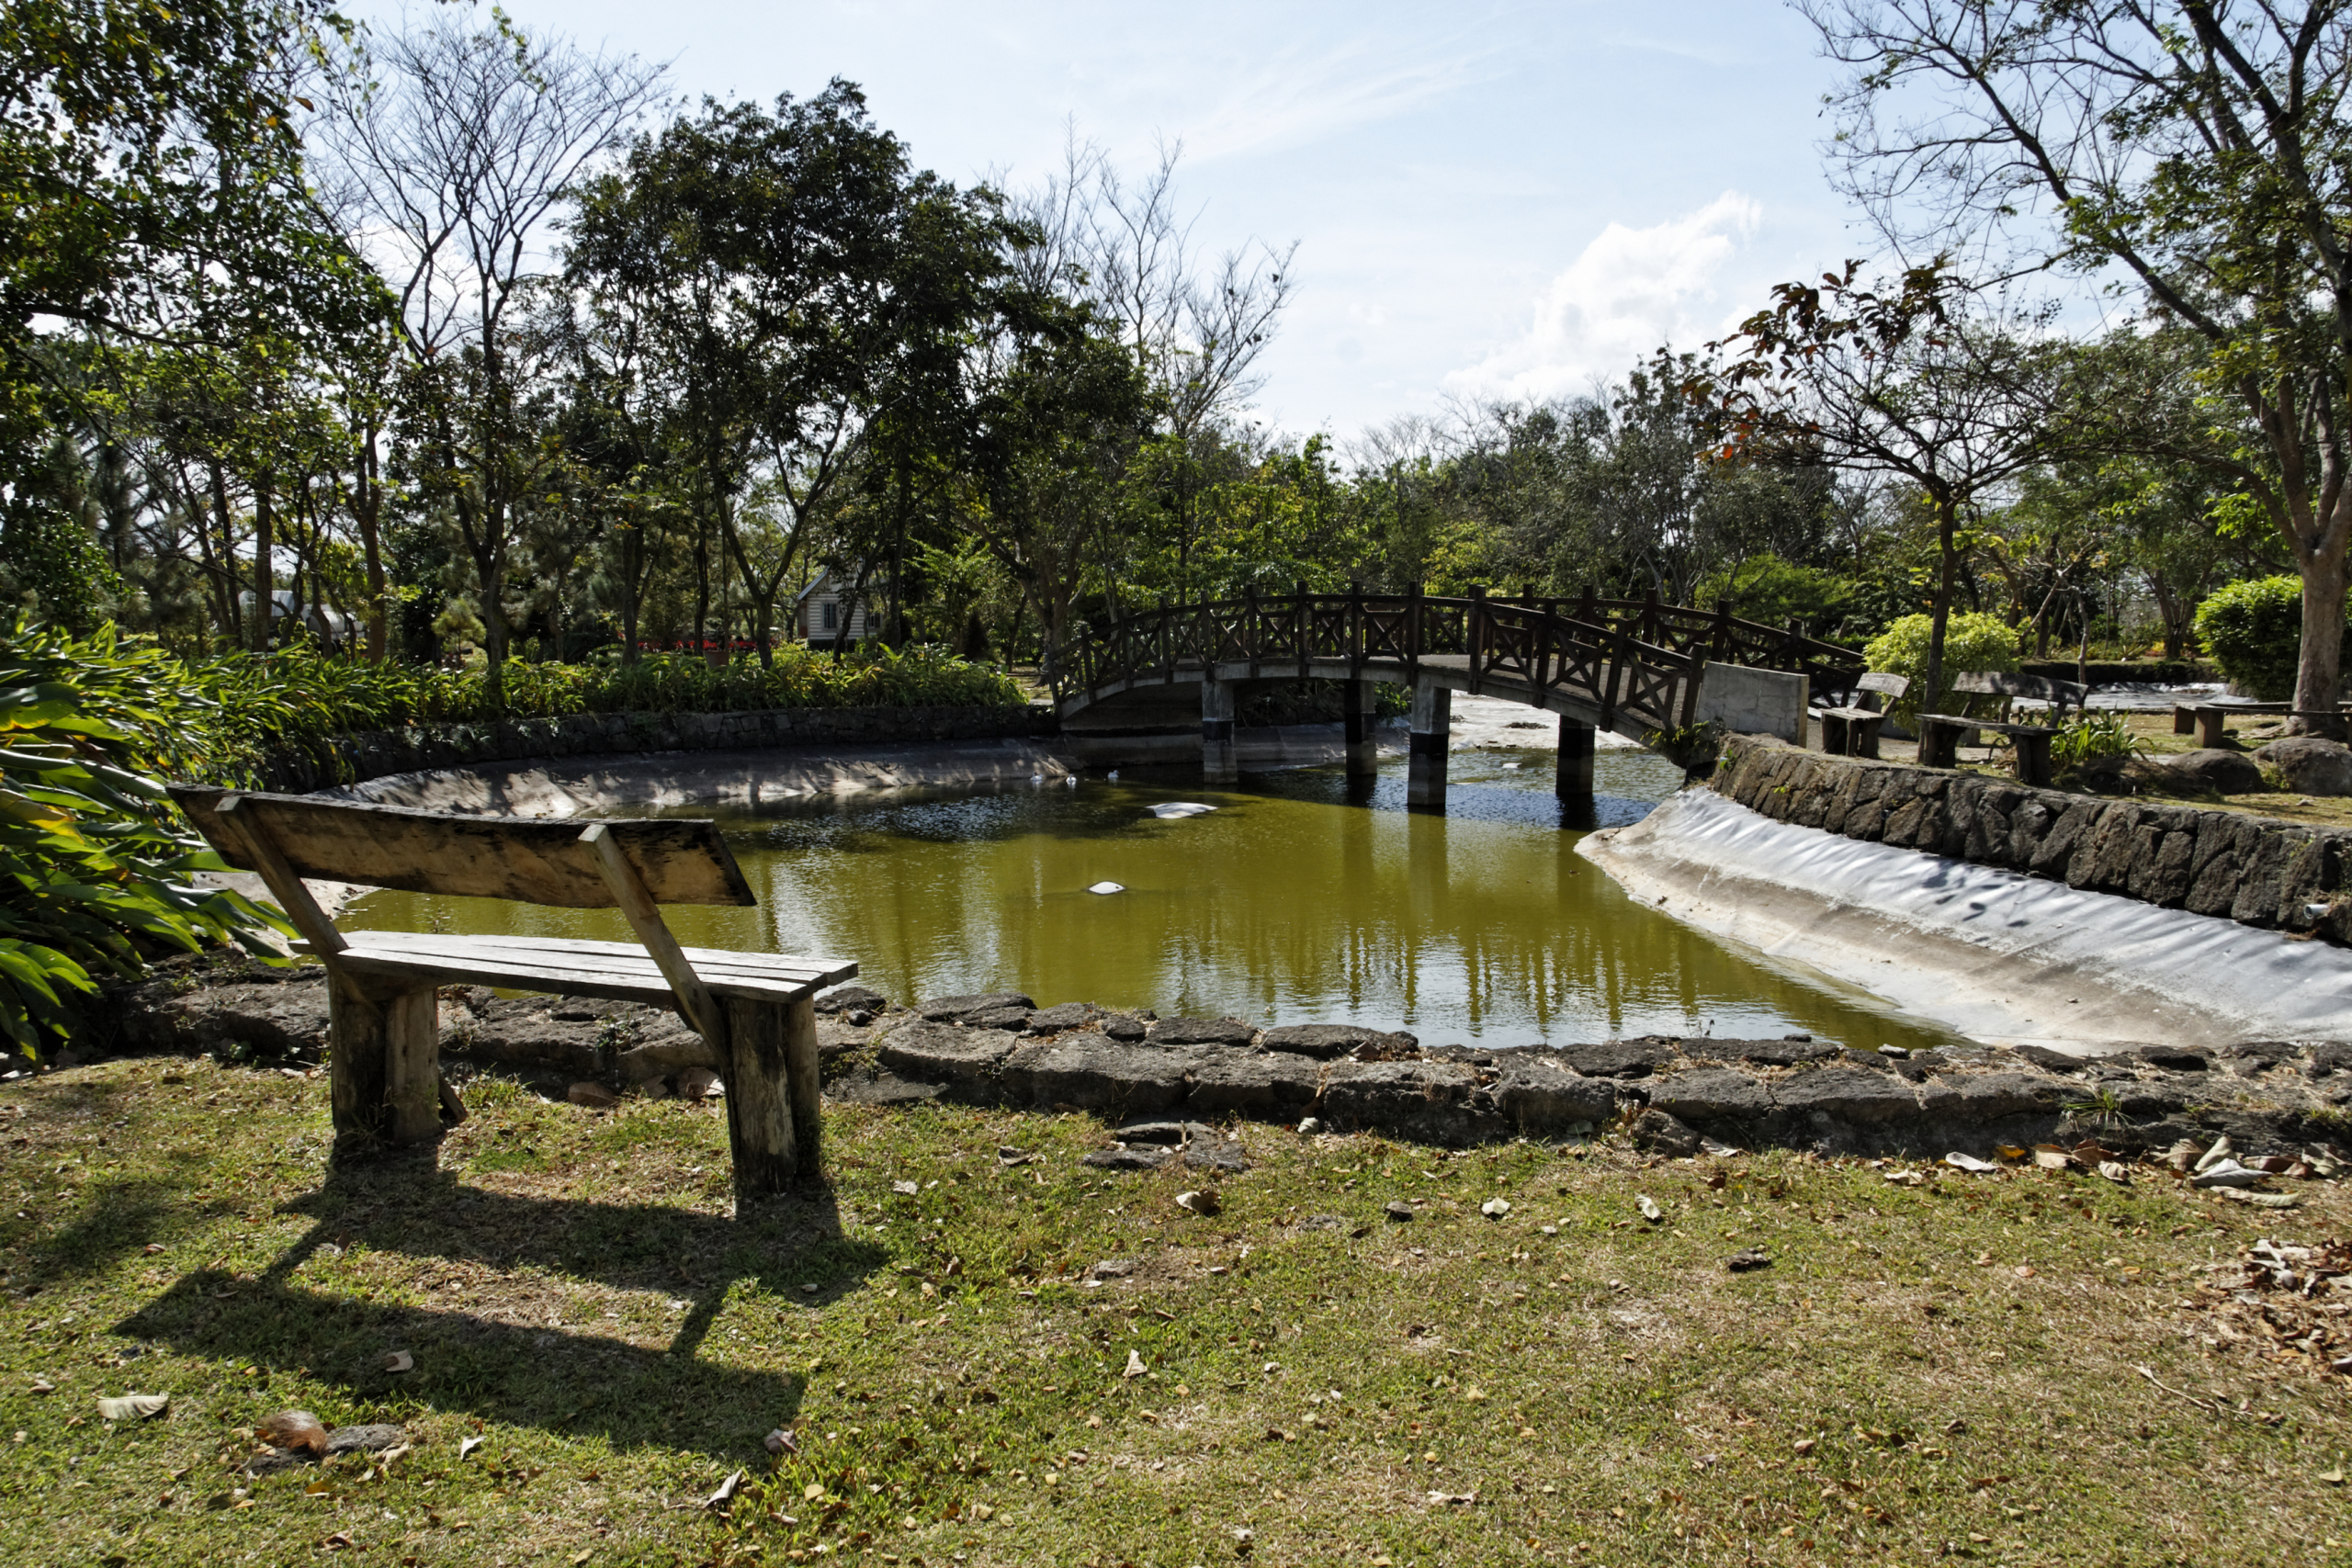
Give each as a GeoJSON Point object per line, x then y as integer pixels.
{"type": "Point", "coordinates": [95, 869]}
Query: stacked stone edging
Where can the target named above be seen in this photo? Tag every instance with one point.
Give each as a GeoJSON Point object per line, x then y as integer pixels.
{"type": "Point", "coordinates": [1002, 1051]}
{"type": "Point", "coordinates": [374, 754]}
{"type": "Point", "coordinates": [2257, 871]}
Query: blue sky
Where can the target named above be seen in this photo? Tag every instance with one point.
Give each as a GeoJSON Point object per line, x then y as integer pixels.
{"type": "Point", "coordinates": [1489, 198]}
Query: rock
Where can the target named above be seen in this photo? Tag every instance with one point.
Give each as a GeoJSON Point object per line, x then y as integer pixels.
{"type": "Point", "coordinates": [1785, 1052]}
{"type": "Point", "coordinates": [1711, 1094]}
{"type": "Point", "coordinates": [1162, 1131]}
{"type": "Point", "coordinates": [372, 1439]}
{"type": "Point", "coordinates": [2224, 772]}
{"type": "Point", "coordinates": [1070, 1015]}
{"type": "Point", "coordinates": [1618, 1058]}
{"type": "Point", "coordinates": [848, 998]}
{"type": "Point", "coordinates": [1113, 1268]}
{"type": "Point", "coordinates": [1273, 1087]}
{"type": "Point", "coordinates": [1846, 1095]}
{"type": "Point", "coordinates": [1661, 1133]}
{"type": "Point", "coordinates": [1120, 1026]}
{"type": "Point", "coordinates": [1325, 1041]}
{"type": "Point", "coordinates": [2171, 1059]}
{"type": "Point", "coordinates": [1224, 1157]}
{"type": "Point", "coordinates": [1399, 1212]}
{"type": "Point", "coordinates": [921, 1049]}
{"type": "Point", "coordinates": [959, 1010]}
{"type": "Point", "coordinates": [1746, 1259]}
{"type": "Point", "coordinates": [1414, 1099]}
{"type": "Point", "coordinates": [1127, 1159]}
{"type": "Point", "coordinates": [880, 1086]}
{"type": "Point", "coordinates": [998, 1017]}
{"type": "Point", "coordinates": [1539, 1096]}
{"type": "Point", "coordinates": [1097, 1074]}
{"type": "Point", "coordinates": [593, 1095]}
{"type": "Point", "coordinates": [1202, 1031]}
{"type": "Point", "coordinates": [2310, 765]}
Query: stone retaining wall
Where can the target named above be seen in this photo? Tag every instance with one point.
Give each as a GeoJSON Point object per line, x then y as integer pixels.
{"type": "Point", "coordinates": [2256, 871]}
{"type": "Point", "coordinates": [1003, 1050]}
{"type": "Point", "coordinates": [355, 759]}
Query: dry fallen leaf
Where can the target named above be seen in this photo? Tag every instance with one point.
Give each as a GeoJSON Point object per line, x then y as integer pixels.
{"type": "Point", "coordinates": [468, 1445]}
{"type": "Point", "coordinates": [1135, 1368]}
{"type": "Point", "coordinates": [1495, 1208]}
{"type": "Point", "coordinates": [905, 1189]}
{"type": "Point", "coordinates": [780, 1441]}
{"type": "Point", "coordinates": [1968, 1163]}
{"type": "Point", "coordinates": [726, 1492]}
{"type": "Point", "coordinates": [1805, 1445]}
{"type": "Point", "coordinates": [398, 1361]}
{"type": "Point", "coordinates": [1649, 1206]}
{"type": "Point", "coordinates": [2114, 1171]}
{"type": "Point", "coordinates": [1202, 1203]}
{"type": "Point", "coordinates": [2049, 1156]}
{"type": "Point", "coordinates": [43, 1385]}
{"type": "Point", "coordinates": [698, 1083]}
{"type": "Point", "coordinates": [594, 1096]}
{"type": "Point", "coordinates": [134, 1407]}
{"type": "Point", "coordinates": [293, 1429]}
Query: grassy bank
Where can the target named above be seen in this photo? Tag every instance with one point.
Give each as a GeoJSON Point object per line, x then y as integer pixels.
{"type": "Point", "coordinates": [1953, 1368]}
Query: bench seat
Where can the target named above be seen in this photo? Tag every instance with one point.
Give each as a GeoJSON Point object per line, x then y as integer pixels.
{"type": "Point", "coordinates": [614, 971]}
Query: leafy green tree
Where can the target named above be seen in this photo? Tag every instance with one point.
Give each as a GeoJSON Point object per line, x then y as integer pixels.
{"type": "Point", "coordinates": [2203, 149]}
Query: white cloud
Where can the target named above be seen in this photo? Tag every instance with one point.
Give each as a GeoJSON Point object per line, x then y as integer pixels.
{"type": "Point", "coordinates": [1631, 290]}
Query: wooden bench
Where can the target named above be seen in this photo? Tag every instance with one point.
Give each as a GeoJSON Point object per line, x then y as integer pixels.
{"type": "Point", "coordinates": [2057, 696]}
{"type": "Point", "coordinates": [1853, 732]}
{"type": "Point", "coordinates": [2211, 720]}
{"type": "Point", "coordinates": [755, 1010]}
{"type": "Point", "coordinates": [1940, 736]}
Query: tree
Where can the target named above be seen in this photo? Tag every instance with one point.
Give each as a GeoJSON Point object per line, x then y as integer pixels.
{"type": "Point", "coordinates": [1914, 381]}
{"type": "Point", "coordinates": [453, 166]}
{"type": "Point", "coordinates": [2200, 147]}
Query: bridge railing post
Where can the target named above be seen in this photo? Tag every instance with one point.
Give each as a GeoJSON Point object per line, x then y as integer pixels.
{"type": "Point", "coordinates": [1413, 608]}
{"type": "Point", "coordinates": [1354, 630]}
{"type": "Point", "coordinates": [1474, 637]}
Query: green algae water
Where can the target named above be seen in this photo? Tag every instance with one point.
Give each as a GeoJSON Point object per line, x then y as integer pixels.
{"type": "Point", "coordinates": [1302, 897]}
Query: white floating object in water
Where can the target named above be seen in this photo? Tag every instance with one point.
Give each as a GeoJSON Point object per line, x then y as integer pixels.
{"type": "Point", "coordinates": [1071, 780]}
{"type": "Point", "coordinates": [1508, 766]}
{"type": "Point", "coordinates": [1037, 778]}
{"type": "Point", "coordinates": [1167, 808]}
{"type": "Point", "coordinates": [1106, 887]}
{"type": "Point", "coordinates": [1113, 775]}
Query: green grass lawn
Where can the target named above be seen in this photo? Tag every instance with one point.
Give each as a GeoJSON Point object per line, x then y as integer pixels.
{"type": "Point", "coordinates": [1946, 1370]}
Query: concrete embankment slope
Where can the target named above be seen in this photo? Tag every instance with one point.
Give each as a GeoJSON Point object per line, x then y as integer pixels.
{"type": "Point", "coordinates": [1996, 954]}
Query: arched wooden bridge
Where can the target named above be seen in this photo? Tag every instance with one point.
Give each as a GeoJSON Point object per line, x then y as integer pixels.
{"type": "Point", "coordinates": [1631, 666]}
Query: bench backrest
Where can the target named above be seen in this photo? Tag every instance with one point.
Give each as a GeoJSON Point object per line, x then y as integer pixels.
{"type": "Point", "coordinates": [2041, 688]}
{"type": "Point", "coordinates": [533, 860]}
{"type": "Point", "coordinates": [1889, 686]}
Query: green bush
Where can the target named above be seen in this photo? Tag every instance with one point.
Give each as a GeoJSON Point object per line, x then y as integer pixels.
{"type": "Point", "coordinates": [95, 863]}
{"type": "Point", "coordinates": [1768, 589]}
{"type": "Point", "coordinates": [1972, 643]}
{"type": "Point", "coordinates": [2254, 630]}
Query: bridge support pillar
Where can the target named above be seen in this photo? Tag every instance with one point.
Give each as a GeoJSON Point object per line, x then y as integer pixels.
{"type": "Point", "coordinates": [1575, 778]}
{"type": "Point", "coordinates": [1433, 724]}
{"type": "Point", "coordinates": [1220, 763]}
{"type": "Point", "coordinates": [1363, 744]}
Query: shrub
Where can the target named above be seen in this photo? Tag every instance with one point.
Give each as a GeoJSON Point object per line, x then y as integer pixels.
{"type": "Point", "coordinates": [2254, 630]}
{"type": "Point", "coordinates": [95, 867]}
{"type": "Point", "coordinates": [1971, 642]}
{"type": "Point", "coordinates": [1768, 589]}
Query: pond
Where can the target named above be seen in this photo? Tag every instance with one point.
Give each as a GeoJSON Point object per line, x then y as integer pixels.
{"type": "Point", "coordinates": [1302, 897]}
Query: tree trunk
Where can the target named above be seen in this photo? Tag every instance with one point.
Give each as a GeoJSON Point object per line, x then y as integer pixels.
{"type": "Point", "coordinates": [1946, 521]}
{"type": "Point", "coordinates": [2319, 666]}
{"type": "Point", "coordinates": [265, 577]}
{"type": "Point", "coordinates": [368, 510]}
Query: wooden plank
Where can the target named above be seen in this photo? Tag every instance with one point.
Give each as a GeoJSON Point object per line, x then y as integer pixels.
{"type": "Point", "coordinates": [644, 917]}
{"type": "Point", "coordinates": [383, 1067]}
{"type": "Point", "coordinates": [567, 950]}
{"type": "Point", "coordinates": [680, 859]}
{"type": "Point", "coordinates": [616, 982]}
{"type": "Point", "coordinates": [245, 827]}
{"type": "Point", "coordinates": [805, 1092]}
{"type": "Point", "coordinates": [760, 1130]}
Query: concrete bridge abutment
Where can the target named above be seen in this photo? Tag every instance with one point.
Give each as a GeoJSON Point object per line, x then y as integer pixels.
{"type": "Point", "coordinates": [1220, 761]}
{"type": "Point", "coordinates": [1433, 724]}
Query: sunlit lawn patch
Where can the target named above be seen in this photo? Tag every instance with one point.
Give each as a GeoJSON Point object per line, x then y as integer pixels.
{"type": "Point", "coordinates": [1949, 1369]}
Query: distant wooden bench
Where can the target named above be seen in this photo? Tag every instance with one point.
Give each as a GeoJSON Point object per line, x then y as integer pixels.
{"type": "Point", "coordinates": [1940, 736]}
{"type": "Point", "coordinates": [1853, 731]}
{"type": "Point", "coordinates": [2056, 695]}
{"type": "Point", "coordinates": [755, 1010]}
{"type": "Point", "coordinates": [2212, 720]}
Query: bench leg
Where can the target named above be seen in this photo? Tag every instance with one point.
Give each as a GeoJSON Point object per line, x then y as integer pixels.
{"type": "Point", "coordinates": [1833, 735]}
{"type": "Point", "coordinates": [384, 1060]}
{"type": "Point", "coordinates": [1938, 744]}
{"type": "Point", "coordinates": [760, 1124]}
{"type": "Point", "coordinates": [2212, 728]}
{"type": "Point", "coordinates": [2034, 759]}
{"type": "Point", "coordinates": [2183, 721]}
{"type": "Point", "coordinates": [1863, 734]}
{"type": "Point", "coordinates": [800, 1063]}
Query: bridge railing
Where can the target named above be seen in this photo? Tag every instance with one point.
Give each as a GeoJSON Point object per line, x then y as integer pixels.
{"type": "Point", "coordinates": [1640, 659]}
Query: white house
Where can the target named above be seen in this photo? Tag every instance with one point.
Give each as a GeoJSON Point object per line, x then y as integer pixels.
{"type": "Point", "coordinates": [331, 626]}
{"type": "Point", "coordinates": [822, 605]}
